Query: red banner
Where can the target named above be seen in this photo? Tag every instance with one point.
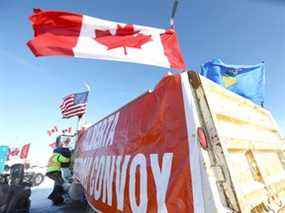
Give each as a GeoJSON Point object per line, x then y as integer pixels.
{"type": "Point", "coordinates": [137, 159]}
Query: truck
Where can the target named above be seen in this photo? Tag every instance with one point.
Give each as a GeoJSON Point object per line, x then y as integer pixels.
{"type": "Point", "coordinates": [4, 150]}
{"type": "Point", "coordinates": [189, 145]}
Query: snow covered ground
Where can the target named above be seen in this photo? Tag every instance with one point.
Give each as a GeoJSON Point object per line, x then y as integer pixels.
{"type": "Point", "coordinates": [40, 203]}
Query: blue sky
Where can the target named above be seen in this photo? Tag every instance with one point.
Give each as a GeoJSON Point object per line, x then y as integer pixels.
{"type": "Point", "coordinates": [239, 32]}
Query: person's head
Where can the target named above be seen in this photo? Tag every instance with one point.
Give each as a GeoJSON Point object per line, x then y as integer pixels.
{"type": "Point", "coordinates": [66, 142]}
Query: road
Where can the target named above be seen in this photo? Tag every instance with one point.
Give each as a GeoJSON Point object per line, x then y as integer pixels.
{"type": "Point", "coordinates": [40, 203]}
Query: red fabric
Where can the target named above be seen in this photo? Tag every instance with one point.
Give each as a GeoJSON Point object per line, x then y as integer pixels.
{"type": "Point", "coordinates": [13, 152]}
{"type": "Point", "coordinates": [52, 131]}
{"type": "Point", "coordinates": [56, 32]}
{"type": "Point", "coordinates": [152, 124]}
{"type": "Point", "coordinates": [25, 151]}
{"type": "Point", "coordinates": [172, 50]}
{"type": "Point", "coordinates": [68, 130]}
{"type": "Point", "coordinates": [124, 37]}
{"type": "Point", "coordinates": [52, 145]}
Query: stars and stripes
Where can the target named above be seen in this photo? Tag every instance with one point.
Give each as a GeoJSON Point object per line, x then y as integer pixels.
{"type": "Point", "coordinates": [74, 105]}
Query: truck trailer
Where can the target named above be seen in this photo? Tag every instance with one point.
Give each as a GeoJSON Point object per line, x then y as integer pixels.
{"type": "Point", "coordinates": [189, 145]}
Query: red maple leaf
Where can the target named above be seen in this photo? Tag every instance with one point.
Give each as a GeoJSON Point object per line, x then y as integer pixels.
{"type": "Point", "coordinates": [124, 37]}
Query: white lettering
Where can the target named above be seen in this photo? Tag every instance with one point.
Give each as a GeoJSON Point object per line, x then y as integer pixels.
{"type": "Point", "coordinates": [139, 162]}
{"type": "Point", "coordinates": [99, 178]}
{"type": "Point", "coordinates": [161, 178]}
{"type": "Point", "coordinates": [114, 122]}
{"type": "Point", "coordinates": [101, 129]}
{"type": "Point", "coordinates": [86, 170]}
{"type": "Point", "coordinates": [92, 138]}
{"type": "Point", "coordinates": [88, 138]}
{"type": "Point", "coordinates": [121, 180]}
{"type": "Point", "coordinates": [108, 179]}
{"type": "Point", "coordinates": [92, 176]}
{"type": "Point", "coordinates": [85, 173]}
{"type": "Point", "coordinates": [105, 131]}
{"type": "Point", "coordinates": [97, 175]}
{"type": "Point", "coordinates": [102, 134]}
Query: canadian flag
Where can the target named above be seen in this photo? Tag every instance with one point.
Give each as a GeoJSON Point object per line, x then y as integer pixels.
{"type": "Point", "coordinates": [67, 130]}
{"type": "Point", "coordinates": [13, 151]}
{"type": "Point", "coordinates": [25, 151]}
{"type": "Point", "coordinates": [70, 34]}
{"type": "Point", "coordinates": [52, 130]}
{"type": "Point", "coordinates": [52, 145]}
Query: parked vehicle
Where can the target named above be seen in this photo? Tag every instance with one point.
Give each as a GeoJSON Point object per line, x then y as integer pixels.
{"type": "Point", "coordinates": [187, 146]}
{"type": "Point", "coordinates": [14, 191]}
{"type": "Point", "coordinates": [35, 175]}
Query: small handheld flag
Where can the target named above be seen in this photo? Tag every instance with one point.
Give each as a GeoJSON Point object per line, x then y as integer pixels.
{"type": "Point", "coordinates": [67, 130]}
{"type": "Point", "coordinates": [74, 105]}
{"type": "Point", "coordinates": [25, 151]}
{"type": "Point", "coordinates": [52, 145]}
{"type": "Point", "coordinates": [13, 151]}
{"type": "Point", "coordinates": [52, 130]}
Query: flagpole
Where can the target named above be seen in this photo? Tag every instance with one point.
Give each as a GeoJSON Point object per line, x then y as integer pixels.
{"type": "Point", "coordinates": [78, 123]}
{"type": "Point", "coordinates": [88, 88]}
{"type": "Point", "coordinates": [76, 134]}
{"type": "Point", "coordinates": [172, 21]}
{"type": "Point", "coordinates": [173, 12]}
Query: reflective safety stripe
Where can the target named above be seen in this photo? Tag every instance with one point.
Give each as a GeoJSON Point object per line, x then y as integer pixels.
{"type": "Point", "coordinates": [54, 163]}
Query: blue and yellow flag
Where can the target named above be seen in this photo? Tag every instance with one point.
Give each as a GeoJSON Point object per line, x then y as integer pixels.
{"type": "Point", "coordinates": [245, 80]}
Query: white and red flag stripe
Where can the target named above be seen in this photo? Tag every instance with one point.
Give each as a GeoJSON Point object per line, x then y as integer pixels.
{"type": "Point", "coordinates": [25, 151]}
{"type": "Point", "coordinates": [67, 130]}
{"type": "Point", "coordinates": [74, 105]}
{"type": "Point", "coordinates": [70, 34]}
{"type": "Point", "coordinates": [52, 145]}
{"type": "Point", "coordinates": [13, 151]}
{"type": "Point", "coordinates": [52, 130]}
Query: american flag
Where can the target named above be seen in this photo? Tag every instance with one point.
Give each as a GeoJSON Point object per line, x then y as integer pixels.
{"type": "Point", "coordinates": [74, 105]}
